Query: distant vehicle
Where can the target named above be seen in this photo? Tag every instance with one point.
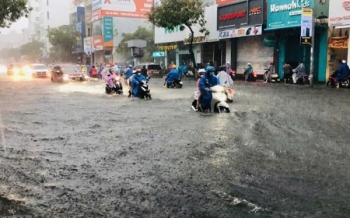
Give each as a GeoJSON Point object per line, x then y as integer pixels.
{"type": "Point", "coordinates": [15, 69]}
{"type": "Point", "coordinates": [39, 70]}
{"type": "Point", "coordinates": [153, 69]}
{"type": "Point", "coordinates": [66, 73]}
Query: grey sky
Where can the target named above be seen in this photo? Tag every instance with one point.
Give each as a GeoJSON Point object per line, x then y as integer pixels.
{"type": "Point", "coordinates": [17, 26]}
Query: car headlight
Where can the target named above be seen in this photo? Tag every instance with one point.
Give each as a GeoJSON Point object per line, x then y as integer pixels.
{"type": "Point", "coordinates": [16, 70]}
{"type": "Point", "coordinates": [27, 70]}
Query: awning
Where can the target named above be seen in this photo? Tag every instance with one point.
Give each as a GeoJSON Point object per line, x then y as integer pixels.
{"type": "Point", "coordinates": [283, 27]}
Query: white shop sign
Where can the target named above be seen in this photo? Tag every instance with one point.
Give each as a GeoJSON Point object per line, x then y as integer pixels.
{"type": "Point", "coordinates": [241, 32]}
{"type": "Point", "coordinates": [339, 13]}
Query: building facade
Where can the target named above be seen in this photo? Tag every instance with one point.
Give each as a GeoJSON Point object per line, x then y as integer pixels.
{"type": "Point", "coordinates": [34, 20]}
{"type": "Point", "coordinates": [284, 20]}
{"type": "Point", "coordinates": [339, 27]}
{"type": "Point", "coordinates": [53, 13]}
{"type": "Point", "coordinates": [109, 20]}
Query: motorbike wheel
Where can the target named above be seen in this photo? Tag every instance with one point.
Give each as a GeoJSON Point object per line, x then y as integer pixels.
{"type": "Point", "coordinates": [330, 84]}
{"type": "Point", "coordinates": [223, 110]}
{"type": "Point", "coordinates": [345, 83]}
{"type": "Point", "coordinates": [179, 86]}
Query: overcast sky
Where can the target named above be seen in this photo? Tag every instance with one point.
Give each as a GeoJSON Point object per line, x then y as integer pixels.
{"type": "Point", "coordinates": [17, 26]}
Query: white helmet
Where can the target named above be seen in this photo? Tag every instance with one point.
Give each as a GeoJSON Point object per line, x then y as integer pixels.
{"type": "Point", "coordinates": [344, 61]}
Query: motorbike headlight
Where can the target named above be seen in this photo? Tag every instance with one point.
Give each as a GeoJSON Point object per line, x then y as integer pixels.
{"type": "Point", "coordinates": [27, 70]}
{"type": "Point", "coordinates": [65, 77]}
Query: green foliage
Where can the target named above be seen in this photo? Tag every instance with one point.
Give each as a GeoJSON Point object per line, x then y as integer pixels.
{"type": "Point", "coordinates": [32, 50]}
{"type": "Point", "coordinates": [12, 10]}
{"type": "Point", "coordinates": [140, 33]}
{"type": "Point", "coordinates": [170, 14]}
{"type": "Point", "coordinates": [63, 40]}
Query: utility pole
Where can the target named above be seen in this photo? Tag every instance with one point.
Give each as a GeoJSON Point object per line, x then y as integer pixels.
{"type": "Point", "coordinates": [312, 68]}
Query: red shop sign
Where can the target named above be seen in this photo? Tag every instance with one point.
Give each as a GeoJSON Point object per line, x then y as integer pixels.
{"type": "Point", "coordinates": [233, 15]}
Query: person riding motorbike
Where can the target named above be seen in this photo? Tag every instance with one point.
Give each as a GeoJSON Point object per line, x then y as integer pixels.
{"type": "Point", "coordinates": [206, 82]}
{"type": "Point", "coordinates": [298, 72]}
{"type": "Point", "coordinates": [136, 82]}
{"type": "Point", "coordinates": [110, 79]}
{"type": "Point", "coordinates": [171, 76]}
{"type": "Point", "coordinates": [248, 71]}
{"type": "Point", "coordinates": [270, 71]}
{"type": "Point", "coordinates": [93, 72]}
{"type": "Point", "coordinates": [197, 93]}
{"type": "Point", "coordinates": [224, 77]}
{"type": "Point", "coordinates": [128, 74]}
{"type": "Point", "coordinates": [342, 72]}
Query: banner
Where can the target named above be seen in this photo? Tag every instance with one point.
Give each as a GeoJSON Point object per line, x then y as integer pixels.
{"type": "Point", "coordinates": [241, 32]}
{"type": "Point", "coordinates": [108, 31]}
{"type": "Point", "coordinates": [338, 42]}
{"type": "Point", "coordinates": [87, 45]}
{"type": "Point", "coordinates": [129, 8]}
{"type": "Point", "coordinates": [339, 13]}
{"type": "Point", "coordinates": [306, 26]}
{"type": "Point", "coordinates": [97, 43]}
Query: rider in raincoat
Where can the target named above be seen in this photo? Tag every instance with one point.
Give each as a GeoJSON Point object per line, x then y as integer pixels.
{"type": "Point", "coordinates": [207, 81]}
{"type": "Point", "coordinates": [135, 83]}
{"type": "Point", "coordinates": [172, 75]}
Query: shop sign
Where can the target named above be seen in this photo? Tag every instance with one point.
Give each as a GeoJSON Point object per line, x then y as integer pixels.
{"type": "Point", "coordinates": [241, 32]}
{"type": "Point", "coordinates": [339, 13]}
{"type": "Point", "coordinates": [96, 15]}
{"type": "Point", "coordinates": [87, 45]}
{"type": "Point", "coordinates": [225, 2]}
{"type": "Point", "coordinates": [167, 47]}
{"type": "Point", "coordinates": [126, 8]}
{"type": "Point", "coordinates": [285, 13]}
{"type": "Point", "coordinates": [158, 54]}
{"type": "Point", "coordinates": [196, 39]}
{"type": "Point", "coordinates": [240, 14]}
{"type": "Point", "coordinates": [307, 22]}
{"type": "Point", "coordinates": [338, 42]}
{"type": "Point", "coordinates": [108, 31]}
{"type": "Point", "coordinates": [97, 43]}
{"type": "Point", "coordinates": [96, 4]}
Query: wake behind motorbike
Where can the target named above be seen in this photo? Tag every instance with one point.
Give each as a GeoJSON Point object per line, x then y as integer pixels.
{"type": "Point", "coordinates": [332, 81]}
{"type": "Point", "coordinates": [218, 102]}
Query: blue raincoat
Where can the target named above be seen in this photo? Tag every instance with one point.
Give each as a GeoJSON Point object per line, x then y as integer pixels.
{"type": "Point", "coordinates": [128, 73]}
{"type": "Point", "coordinates": [172, 75]}
{"type": "Point", "coordinates": [135, 84]}
{"type": "Point", "coordinates": [343, 71]}
{"type": "Point", "coordinates": [207, 81]}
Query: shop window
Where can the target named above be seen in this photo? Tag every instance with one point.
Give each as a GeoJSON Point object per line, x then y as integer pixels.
{"type": "Point", "coordinates": [97, 28]}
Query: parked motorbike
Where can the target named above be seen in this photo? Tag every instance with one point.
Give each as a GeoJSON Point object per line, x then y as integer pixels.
{"type": "Point", "coordinates": [303, 80]}
{"type": "Point", "coordinates": [332, 81]}
{"type": "Point", "coordinates": [218, 102]}
{"type": "Point", "coordinates": [145, 90]}
{"type": "Point", "coordinates": [274, 77]}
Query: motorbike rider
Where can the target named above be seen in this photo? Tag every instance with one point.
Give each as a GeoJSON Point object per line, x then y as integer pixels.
{"type": "Point", "coordinates": [110, 79]}
{"type": "Point", "coordinates": [224, 77]}
{"type": "Point", "coordinates": [270, 71]}
{"type": "Point", "coordinates": [171, 76]}
{"type": "Point", "coordinates": [128, 74]}
{"type": "Point", "coordinates": [342, 72]}
{"type": "Point", "coordinates": [207, 81]}
{"type": "Point", "coordinates": [136, 82]}
{"type": "Point", "coordinates": [93, 72]}
{"type": "Point", "coordinates": [248, 71]}
{"type": "Point", "coordinates": [144, 71]}
{"type": "Point", "coordinates": [201, 73]}
{"type": "Point", "coordinates": [298, 72]}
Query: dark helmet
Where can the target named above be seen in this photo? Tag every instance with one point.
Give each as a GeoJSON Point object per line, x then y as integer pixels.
{"type": "Point", "coordinates": [222, 68]}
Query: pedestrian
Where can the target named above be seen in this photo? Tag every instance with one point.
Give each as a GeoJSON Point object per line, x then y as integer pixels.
{"type": "Point", "coordinates": [287, 71]}
{"type": "Point", "coordinates": [270, 71]}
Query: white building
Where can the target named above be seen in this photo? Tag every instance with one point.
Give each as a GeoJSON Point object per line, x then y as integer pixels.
{"type": "Point", "coordinates": [53, 13]}
{"type": "Point", "coordinates": [33, 20]}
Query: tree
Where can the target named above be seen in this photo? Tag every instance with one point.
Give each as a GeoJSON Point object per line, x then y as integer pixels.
{"type": "Point", "coordinates": [12, 10]}
{"type": "Point", "coordinates": [64, 41]}
{"type": "Point", "coordinates": [32, 50]}
{"type": "Point", "coordinates": [183, 13]}
{"type": "Point", "coordinates": [141, 33]}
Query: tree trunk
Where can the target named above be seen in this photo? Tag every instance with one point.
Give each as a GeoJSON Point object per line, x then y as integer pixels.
{"type": "Point", "coordinates": [192, 53]}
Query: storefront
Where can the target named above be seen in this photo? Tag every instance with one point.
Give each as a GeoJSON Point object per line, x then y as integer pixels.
{"type": "Point", "coordinates": [241, 32]}
{"type": "Point", "coordinates": [284, 20]}
{"type": "Point", "coordinates": [338, 41]}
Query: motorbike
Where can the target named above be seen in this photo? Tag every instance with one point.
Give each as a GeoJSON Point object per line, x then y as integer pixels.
{"type": "Point", "coordinates": [303, 80]}
{"type": "Point", "coordinates": [252, 77]}
{"type": "Point", "coordinates": [176, 84]}
{"type": "Point", "coordinates": [59, 76]}
{"type": "Point", "coordinates": [118, 87]}
{"type": "Point", "coordinates": [332, 81]}
{"type": "Point", "coordinates": [218, 102]}
{"type": "Point", "coordinates": [145, 90]}
{"type": "Point", "coordinates": [274, 77]}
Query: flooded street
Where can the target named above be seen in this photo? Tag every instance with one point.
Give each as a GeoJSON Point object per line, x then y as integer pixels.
{"type": "Point", "coordinates": [69, 150]}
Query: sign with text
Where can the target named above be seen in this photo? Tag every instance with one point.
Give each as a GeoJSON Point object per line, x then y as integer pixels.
{"type": "Point", "coordinates": [285, 13]}
{"type": "Point", "coordinates": [307, 23]}
{"type": "Point", "coordinates": [158, 54]}
{"type": "Point", "coordinates": [97, 43]}
{"type": "Point", "coordinates": [338, 42]}
{"type": "Point", "coordinates": [196, 39]}
{"type": "Point", "coordinates": [126, 8]}
{"type": "Point", "coordinates": [243, 13]}
{"type": "Point", "coordinates": [87, 45]}
{"type": "Point", "coordinates": [167, 47]}
{"type": "Point", "coordinates": [108, 31]}
{"type": "Point", "coordinates": [339, 13]}
{"type": "Point", "coordinates": [241, 32]}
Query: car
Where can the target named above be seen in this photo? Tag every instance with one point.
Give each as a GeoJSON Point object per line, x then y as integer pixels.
{"type": "Point", "coordinates": [66, 73]}
{"type": "Point", "coordinates": [153, 69]}
{"type": "Point", "coordinates": [3, 69]}
{"type": "Point", "coordinates": [39, 70]}
{"type": "Point", "coordinates": [16, 69]}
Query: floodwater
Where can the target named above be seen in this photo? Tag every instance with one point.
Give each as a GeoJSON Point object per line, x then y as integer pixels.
{"type": "Point", "coordinates": [69, 150]}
